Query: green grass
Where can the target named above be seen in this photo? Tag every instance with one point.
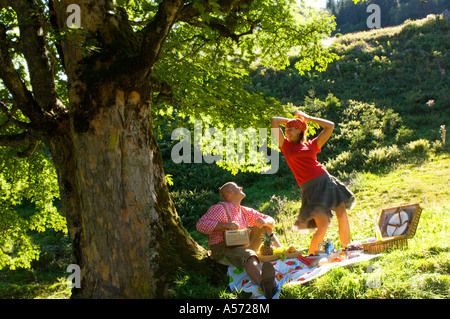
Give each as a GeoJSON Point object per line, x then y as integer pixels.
{"type": "Point", "coordinates": [420, 271]}
{"type": "Point", "coordinates": [33, 284]}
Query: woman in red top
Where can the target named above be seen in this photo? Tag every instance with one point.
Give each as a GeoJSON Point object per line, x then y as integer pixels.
{"type": "Point", "coordinates": [321, 192]}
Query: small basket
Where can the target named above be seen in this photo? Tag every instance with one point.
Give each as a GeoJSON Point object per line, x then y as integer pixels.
{"type": "Point", "coordinates": [401, 241]}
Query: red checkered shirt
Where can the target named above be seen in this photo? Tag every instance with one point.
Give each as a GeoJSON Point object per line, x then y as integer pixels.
{"type": "Point", "coordinates": [217, 214]}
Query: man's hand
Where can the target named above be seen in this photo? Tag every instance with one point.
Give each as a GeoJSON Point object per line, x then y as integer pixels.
{"type": "Point", "coordinates": [229, 226]}
{"type": "Point", "coordinates": [233, 225]}
{"type": "Point", "coordinates": [260, 222]}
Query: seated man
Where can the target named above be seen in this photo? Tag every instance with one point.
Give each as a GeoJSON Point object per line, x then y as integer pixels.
{"type": "Point", "coordinates": [216, 221]}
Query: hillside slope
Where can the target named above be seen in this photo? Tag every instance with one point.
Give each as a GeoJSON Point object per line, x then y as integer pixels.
{"type": "Point", "coordinates": [405, 68]}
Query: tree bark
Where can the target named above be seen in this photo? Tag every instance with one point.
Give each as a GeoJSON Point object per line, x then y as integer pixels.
{"type": "Point", "coordinates": [126, 235]}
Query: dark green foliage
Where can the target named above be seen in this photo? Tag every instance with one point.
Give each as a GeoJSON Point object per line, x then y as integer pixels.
{"type": "Point", "coordinates": [351, 16]}
{"type": "Point", "coordinates": [402, 71]}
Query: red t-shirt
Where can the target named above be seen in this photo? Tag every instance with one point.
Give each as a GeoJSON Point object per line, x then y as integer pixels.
{"type": "Point", "coordinates": [302, 159]}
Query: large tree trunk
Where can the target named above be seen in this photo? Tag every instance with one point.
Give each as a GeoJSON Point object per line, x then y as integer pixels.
{"type": "Point", "coordinates": [126, 235]}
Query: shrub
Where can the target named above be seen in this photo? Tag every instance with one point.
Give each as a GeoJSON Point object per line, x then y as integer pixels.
{"type": "Point", "coordinates": [346, 162]}
{"type": "Point", "coordinates": [383, 156]}
{"type": "Point", "coordinates": [417, 147]}
{"type": "Point", "coordinates": [437, 146]}
{"type": "Point", "coordinates": [404, 135]}
{"type": "Point", "coordinates": [391, 122]}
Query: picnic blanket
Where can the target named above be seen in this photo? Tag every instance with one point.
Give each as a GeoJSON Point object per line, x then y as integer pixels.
{"type": "Point", "coordinates": [287, 272]}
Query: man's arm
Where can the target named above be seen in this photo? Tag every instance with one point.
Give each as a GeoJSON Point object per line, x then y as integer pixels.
{"type": "Point", "coordinates": [223, 226]}
{"type": "Point", "coordinates": [267, 222]}
{"type": "Point", "coordinates": [258, 219]}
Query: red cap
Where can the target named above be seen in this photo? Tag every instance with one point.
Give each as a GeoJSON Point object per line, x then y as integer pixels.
{"type": "Point", "coordinates": [297, 123]}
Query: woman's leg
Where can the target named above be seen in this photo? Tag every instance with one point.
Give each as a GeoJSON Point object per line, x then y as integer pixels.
{"type": "Point", "coordinates": [344, 227]}
{"type": "Point", "coordinates": [322, 226]}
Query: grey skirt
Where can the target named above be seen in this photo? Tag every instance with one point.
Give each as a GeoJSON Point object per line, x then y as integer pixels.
{"type": "Point", "coordinates": [322, 195]}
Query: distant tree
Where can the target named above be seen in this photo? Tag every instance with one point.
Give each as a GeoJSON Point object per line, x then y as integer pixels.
{"type": "Point", "coordinates": [351, 15]}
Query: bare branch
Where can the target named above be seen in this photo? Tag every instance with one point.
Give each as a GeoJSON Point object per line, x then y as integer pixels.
{"type": "Point", "coordinates": [17, 140]}
{"type": "Point", "coordinates": [11, 79]}
{"type": "Point", "coordinates": [34, 48]}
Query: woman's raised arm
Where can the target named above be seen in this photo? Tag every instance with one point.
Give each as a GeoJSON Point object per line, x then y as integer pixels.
{"type": "Point", "coordinates": [275, 123]}
{"type": "Point", "coordinates": [328, 127]}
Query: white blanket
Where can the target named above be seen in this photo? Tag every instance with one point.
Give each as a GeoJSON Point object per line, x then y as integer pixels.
{"type": "Point", "coordinates": [287, 272]}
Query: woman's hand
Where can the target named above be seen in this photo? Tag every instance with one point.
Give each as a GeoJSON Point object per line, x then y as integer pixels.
{"type": "Point", "coordinates": [302, 115]}
{"type": "Point", "coordinates": [328, 126]}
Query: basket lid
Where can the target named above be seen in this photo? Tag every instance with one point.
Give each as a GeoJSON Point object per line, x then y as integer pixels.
{"type": "Point", "coordinates": [399, 220]}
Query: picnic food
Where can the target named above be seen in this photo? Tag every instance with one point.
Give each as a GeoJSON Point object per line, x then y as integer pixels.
{"type": "Point", "coordinates": [351, 247]}
{"type": "Point", "coordinates": [266, 249]}
{"type": "Point", "coordinates": [291, 250]}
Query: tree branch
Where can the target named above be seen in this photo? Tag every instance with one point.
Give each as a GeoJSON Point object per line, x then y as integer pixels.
{"type": "Point", "coordinates": [156, 32]}
{"type": "Point", "coordinates": [164, 90]}
{"type": "Point", "coordinates": [34, 48]}
{"type": "Point", "coordinates": [11, 79]}
{"type": "Point", "coordinates": [53, 19]}
{"type": "Point", "coordinates": [190, 11]}
{"type": "Point", "coordinates": [17, 140]}
{"type": "Point", "coordinates": [226, 27]}
{"type": "Point", "coordinates": [172, 11]}
{"type": "Point", "coordinates": [11, 118]}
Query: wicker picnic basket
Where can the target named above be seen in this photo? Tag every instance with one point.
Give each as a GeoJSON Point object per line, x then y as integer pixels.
{"type": "Point", "coordinates": [400, 240]}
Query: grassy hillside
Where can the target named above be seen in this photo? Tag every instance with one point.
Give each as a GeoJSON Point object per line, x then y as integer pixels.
{"type": "Point", "coordinates": [405, 68]}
